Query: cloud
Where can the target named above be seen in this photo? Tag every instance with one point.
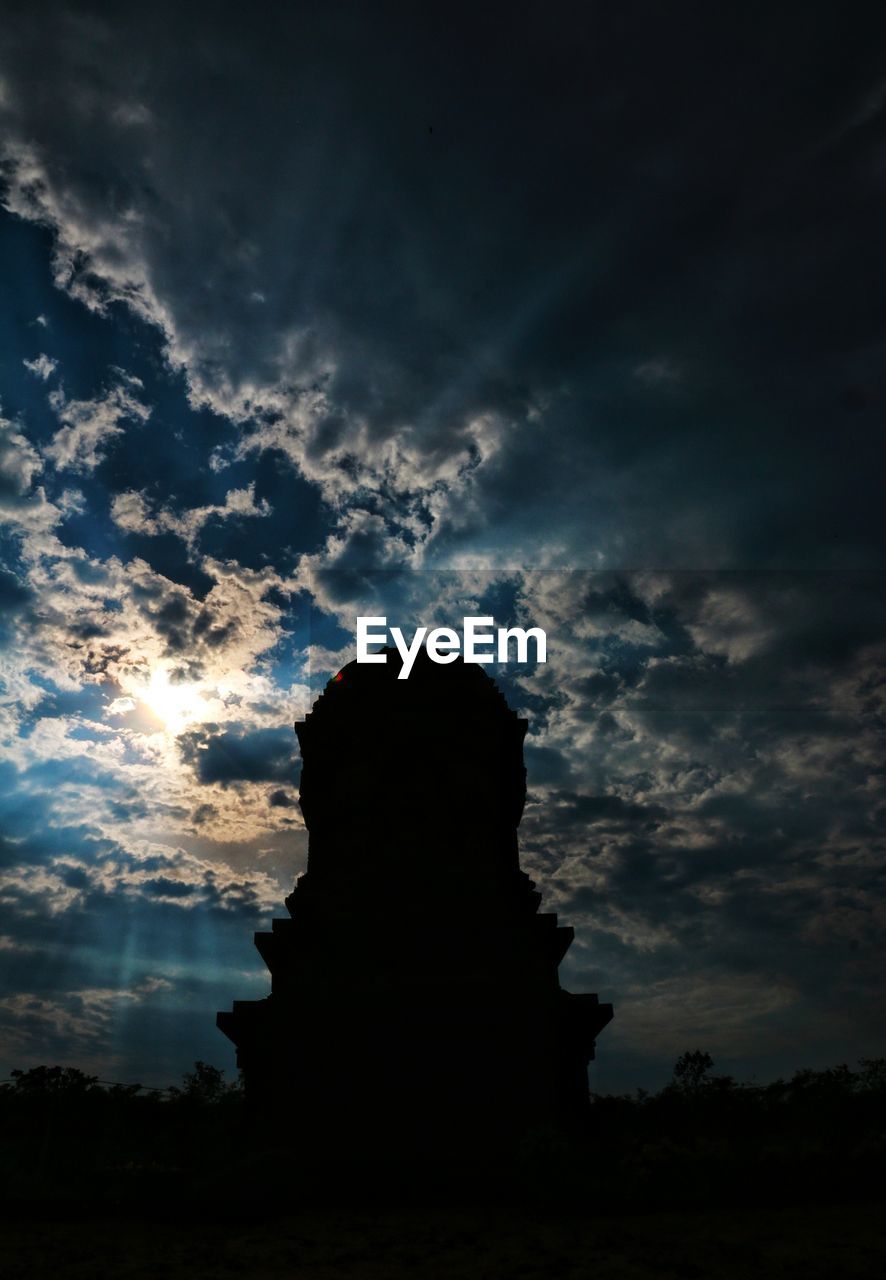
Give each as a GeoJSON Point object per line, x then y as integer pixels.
{"type": "Point", "coordinates": [282, 800]}
{"type": "Point", "coordinates": [20, 463]}
{"type": "Point", "coordinates": [89, 425]}
{"type": "Point", "coordinates": [36, 1026]}
{"type": "Point", "coordinates": [133, 513]}
{"type": "Point", "coordinates": [92, 874]}
{"type": "Point", "coordinates": [43, 367]}
{"type": "Point", "coordinates": [567, 329]}
{"type": "Point", "coordinates": [264, 755]}
{"type": "Point", "coordinates": [459, 323]}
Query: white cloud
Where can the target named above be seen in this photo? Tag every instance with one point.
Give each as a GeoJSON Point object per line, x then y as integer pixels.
{"type": "Point", "coordinates": [122, 628]}
{"type": "Point", "coordinates": [132, 512]}
{"type": "Point", "coordinates": [42, 367]}
{"type": "Point", "coordinates": [19, 462]}
{"type": "Point", "coordinates": [87, 426]}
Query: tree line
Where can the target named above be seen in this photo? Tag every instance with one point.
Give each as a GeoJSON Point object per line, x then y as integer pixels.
{"type": "Point", "coordinates": [704, 1138]}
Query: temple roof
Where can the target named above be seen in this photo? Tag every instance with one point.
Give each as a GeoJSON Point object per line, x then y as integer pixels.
{"type": "Point", "coordinates": [434, 687]}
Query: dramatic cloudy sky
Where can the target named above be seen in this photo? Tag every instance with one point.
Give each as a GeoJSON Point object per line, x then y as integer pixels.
{"type": "Point", "coordinates": [564, 313]}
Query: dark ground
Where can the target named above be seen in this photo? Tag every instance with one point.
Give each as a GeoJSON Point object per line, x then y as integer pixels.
{"type": "Point", "coordinates": [831, 1242]}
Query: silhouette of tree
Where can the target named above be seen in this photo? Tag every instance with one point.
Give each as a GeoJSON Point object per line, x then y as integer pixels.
{"type": "Point", "coordinates": [53, 1081]}
{"type": "Point", "coordinates": [691, 1069]}
{"type": "Point", "coordinates": [873, 1074]}
{"type": "Point", "coordinates": [703, 1139]}
{"type": "Point", "coordinates": [205, 1085]}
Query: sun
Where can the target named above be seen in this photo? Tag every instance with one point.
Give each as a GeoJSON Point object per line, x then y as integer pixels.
{"type": "Point", "coordinates": [177, 705]}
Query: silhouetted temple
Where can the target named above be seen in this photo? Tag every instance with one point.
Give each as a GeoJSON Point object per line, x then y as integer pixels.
{"type": "Point", "coordinates": [415, 994]}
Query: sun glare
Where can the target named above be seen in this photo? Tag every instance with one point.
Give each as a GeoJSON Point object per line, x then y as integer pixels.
{"type": "Point", "coordinates": [177, 705]}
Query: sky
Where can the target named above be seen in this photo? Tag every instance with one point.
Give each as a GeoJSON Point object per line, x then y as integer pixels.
{"type": "Point", "coordinates": [571, 315]}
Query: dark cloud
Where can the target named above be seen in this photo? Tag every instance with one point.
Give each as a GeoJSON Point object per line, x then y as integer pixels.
{"type": "Point", "coordinates": [264, 755]}
{"type": "Point", "coordinates": [282, 800]}
{"type": "Point", "coordinates": [600, 262]}
{"type": "Point", "coordinates": [607, 810]}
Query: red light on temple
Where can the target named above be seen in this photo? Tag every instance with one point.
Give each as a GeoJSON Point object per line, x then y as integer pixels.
{"type": "Point", "coordinates": [337, 679]}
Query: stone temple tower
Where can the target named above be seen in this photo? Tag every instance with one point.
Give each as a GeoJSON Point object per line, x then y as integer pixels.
{"type": "Point", "coordinates": [415, 998]}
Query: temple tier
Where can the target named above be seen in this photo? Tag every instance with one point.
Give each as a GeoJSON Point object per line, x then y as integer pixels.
{"type": "Point", "coordinates": [415, 996]}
